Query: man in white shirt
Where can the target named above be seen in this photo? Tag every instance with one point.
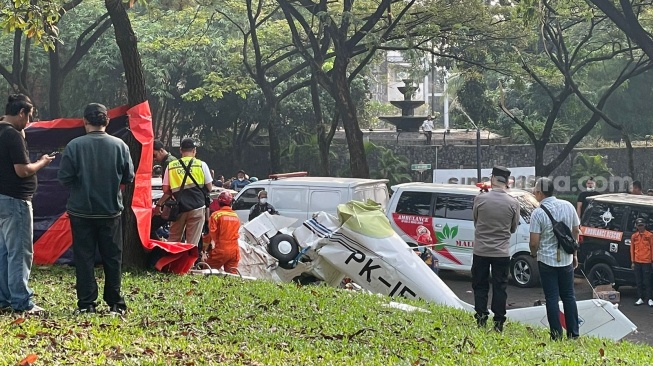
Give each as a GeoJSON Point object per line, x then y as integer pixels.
{"type": "Point", "coordinates": [556, 266]}
{"type": "Point", "coordinates": [427, 127]}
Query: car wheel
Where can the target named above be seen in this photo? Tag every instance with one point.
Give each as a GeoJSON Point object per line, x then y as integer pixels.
{"type": "Point", "coordinates": [601, 274]}
{"type": "Point", "coordinates": [525, 272]}
{"type": "Point", "coordinates": [284, 248]}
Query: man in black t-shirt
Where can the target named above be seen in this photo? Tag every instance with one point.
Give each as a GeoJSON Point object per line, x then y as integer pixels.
{"type": "Point", "coordinates": [581, 203]}
{"type": "Point", "coordinates": [17, 185]}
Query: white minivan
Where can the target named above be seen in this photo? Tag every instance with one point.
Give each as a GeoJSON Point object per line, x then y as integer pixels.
{"type": "Point", "coordinates": [441, 215]}
{"type": "Point", "coordinates": [301, 196]}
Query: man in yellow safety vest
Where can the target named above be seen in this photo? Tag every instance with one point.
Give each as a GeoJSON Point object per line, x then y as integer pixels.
{"type": "Point", "coordinates": [187, 180]}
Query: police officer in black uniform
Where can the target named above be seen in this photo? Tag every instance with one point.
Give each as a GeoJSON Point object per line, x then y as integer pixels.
{"type": "Point", "coordinates": [262, 206]}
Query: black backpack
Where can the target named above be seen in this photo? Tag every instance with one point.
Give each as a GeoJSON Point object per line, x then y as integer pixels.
{"type": "Point", "coordinates": [562, 234]}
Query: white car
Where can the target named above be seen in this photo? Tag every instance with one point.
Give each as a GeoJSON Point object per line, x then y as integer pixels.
{"type": "Point", "coordinates": [441, 215]}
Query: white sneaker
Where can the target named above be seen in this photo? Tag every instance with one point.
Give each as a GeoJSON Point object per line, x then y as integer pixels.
{"type": "Point", "coordinates": [650, 302]}
{"type": "Point", "coordinates": [639, 302]}
{"type": "Point", "coordinates": [36, 310]}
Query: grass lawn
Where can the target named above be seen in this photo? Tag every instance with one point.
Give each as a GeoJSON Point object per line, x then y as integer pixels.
{"type": "Point", "coordinates": [193, 320]}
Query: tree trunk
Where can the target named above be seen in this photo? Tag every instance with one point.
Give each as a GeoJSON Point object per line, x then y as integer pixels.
{"type": "Point", "coordinates": [322, 143]}
{"type": "Point", "coordinates": [56, 84]}
{"type": "Point", "coordinates": [323, 146]}
{"type": "Point", "coordinates": [631, 154]}
{"type": "Point", "coordinates": [541, 170]}
{"type": "Point", "coordinates": [133, 253]}
{"type": "Point", "coordinates": [275, 145]}
{"type": "Point", "coordinates": [347, 109]}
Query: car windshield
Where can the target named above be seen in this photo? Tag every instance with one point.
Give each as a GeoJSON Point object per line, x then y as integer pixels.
{"type": "Point", "coordinates": [527, 204]}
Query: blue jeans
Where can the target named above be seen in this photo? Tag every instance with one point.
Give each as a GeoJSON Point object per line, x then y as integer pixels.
{"type": "Point", "coordinates": [16, 252]}
{"type": "Point", "coordinates": [558, 282]}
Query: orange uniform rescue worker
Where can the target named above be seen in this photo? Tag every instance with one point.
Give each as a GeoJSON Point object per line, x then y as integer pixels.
{"type": "Point", "coordinates": [223, 228]}
{"type": "Point", "coordinates": [641, 256]}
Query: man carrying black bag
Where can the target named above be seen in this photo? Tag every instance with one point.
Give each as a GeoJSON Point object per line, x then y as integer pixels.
{"type": "Point", "coordinates": [556, 265]}
{"type": "Point", "coordinates": [188, 181]}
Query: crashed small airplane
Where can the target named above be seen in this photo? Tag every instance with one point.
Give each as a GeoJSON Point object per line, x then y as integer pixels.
{"type": "Point", "coordinates": [361, 245]}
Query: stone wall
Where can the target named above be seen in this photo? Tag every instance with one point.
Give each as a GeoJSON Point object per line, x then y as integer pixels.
{"type": "Point", "coordinates": [454, 157]}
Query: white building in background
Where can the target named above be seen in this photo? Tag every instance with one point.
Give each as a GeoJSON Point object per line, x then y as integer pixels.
{"type": "Point", "coordinates": [390, 74]}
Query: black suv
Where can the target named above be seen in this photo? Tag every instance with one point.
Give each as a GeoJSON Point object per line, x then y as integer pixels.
{"type": "Point", "coordinates": [606, 228]}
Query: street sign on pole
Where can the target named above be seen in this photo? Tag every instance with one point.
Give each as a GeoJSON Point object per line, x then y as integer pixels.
{"type": "Point", "coordinates": [421, 167]}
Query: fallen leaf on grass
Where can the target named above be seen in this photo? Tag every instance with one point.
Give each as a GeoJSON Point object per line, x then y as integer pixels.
{"type": "Point", "coordinates": [361, 331]}
{"type": "Point", "coordinates": [21, 336]}
{"type": "Point", "coordinates": [27, 361]}
{"type": "Point", "coordinates": [18, 321]}
{"type": "Point", "coordinates": [190, 292]}
{"type": "Point", "coordinates": [332, 337]}
{"type": "Point", "coordinates": [602, 352]}
{"type": "Point", "coordinates": [145, 322]}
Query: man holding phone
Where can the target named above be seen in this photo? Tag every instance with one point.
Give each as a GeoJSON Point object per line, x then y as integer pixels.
{"type": "Point", "coordinates": [17, 185]}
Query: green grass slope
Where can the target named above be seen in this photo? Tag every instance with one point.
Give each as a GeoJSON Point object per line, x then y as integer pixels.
{"type": "Point", "coordinates": [194, 320]}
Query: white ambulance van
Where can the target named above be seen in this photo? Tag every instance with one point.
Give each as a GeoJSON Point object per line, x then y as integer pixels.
{"type": "Point", "coordinates": [441, 215]}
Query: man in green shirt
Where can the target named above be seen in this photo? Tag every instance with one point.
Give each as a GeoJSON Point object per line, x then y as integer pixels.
{"type": "Point", "coordinates": [161, 156]}
{"type": "Point", "coordinates": [93, 167]}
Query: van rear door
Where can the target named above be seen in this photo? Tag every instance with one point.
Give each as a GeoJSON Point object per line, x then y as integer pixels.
{"type": "Point", "coordinates": [604, 231]}
{"type": "Point", "coordinates": [375, 192]}
{"type": "Point", "coordinates": [454, 229]}
{"type": "Point", "coordinates": [412, 218]}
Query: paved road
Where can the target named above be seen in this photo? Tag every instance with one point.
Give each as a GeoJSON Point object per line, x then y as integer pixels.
{"type": "Point", "coordinates": [642, 316]}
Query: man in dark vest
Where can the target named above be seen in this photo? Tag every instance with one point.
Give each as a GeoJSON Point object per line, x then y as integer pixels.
{"type": "Point", "coordinates": [262, 206]}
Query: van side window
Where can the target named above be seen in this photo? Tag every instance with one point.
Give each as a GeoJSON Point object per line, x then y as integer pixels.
{"type": "Point", "coordinates": [460, 207]}
{"type": "Point", "coordinates": [247, 199]}
{"type": "Point", "coordinates": [598, 218]}
{"type": "Point", "coordinates": [324, 201]}
{"type": "Point", "coordinates": [414, 203]}
{"type": "Point", "coordinates": [440, 206]}
{"type": "Point", "coordinates": [290, 199]}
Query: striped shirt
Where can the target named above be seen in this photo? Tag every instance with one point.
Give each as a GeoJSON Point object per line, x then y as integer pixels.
{"type": "Point", "coordinates": [541, 224]}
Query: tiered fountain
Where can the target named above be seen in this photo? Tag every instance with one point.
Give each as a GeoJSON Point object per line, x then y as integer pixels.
{"type": "Point", "coordinates": [407, 122]}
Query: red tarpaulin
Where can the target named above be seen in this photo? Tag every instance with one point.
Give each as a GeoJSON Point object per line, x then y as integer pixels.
{"type": "Point", "coordinates": [52, 235]}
